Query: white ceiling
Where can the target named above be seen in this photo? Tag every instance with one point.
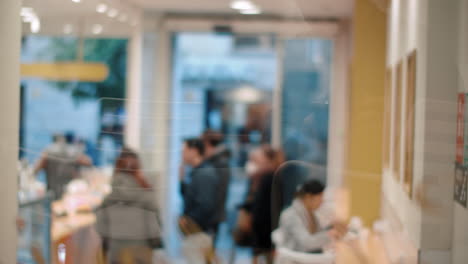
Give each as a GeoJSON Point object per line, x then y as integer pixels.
{"type": "Point", "coordinates": [54, 14]}
{"type": "Point", "coordinates": [295, 8]}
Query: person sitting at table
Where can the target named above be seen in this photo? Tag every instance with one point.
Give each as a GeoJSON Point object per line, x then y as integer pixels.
{"type": "Point", "coordinates": [299, 227]}
{"type": "Point", "coordinates": [128, 219]}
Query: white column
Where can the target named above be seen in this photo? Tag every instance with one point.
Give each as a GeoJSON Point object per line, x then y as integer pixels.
{"type": "Point", "coordinates": [338, 106]}
{"type": "Point", "coordinates": [134, 86]}
{"type": "Point", "coordinates": [10, 34]}
{"type": "Point", "coordinates": [277, 108]}
{"type": "Point", "coordinates": [161, 119]}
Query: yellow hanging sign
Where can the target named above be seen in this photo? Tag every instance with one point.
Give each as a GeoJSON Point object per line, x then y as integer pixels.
{"type": "Point", "coordinates": [66, 71]}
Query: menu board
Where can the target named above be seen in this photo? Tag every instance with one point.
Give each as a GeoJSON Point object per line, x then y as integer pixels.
{"type": "Point", "coordinates": [460, 185]}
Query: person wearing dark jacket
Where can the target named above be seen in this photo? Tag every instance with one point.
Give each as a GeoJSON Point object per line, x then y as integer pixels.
{"type": "Point", "coordinates": [261, 168]}
{"type": "Point", "coordinates": [199, 191]}
{"type": "Point", "coordinates": [218, 156]}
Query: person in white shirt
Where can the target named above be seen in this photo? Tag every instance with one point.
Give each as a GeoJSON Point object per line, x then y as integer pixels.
{"type": "Point", "coordinates": [299, 226]}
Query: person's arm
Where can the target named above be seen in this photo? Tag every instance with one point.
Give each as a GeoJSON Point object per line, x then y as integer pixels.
{"type": "Point", "coordinates": [41, 164]}
{"type": "Point", "coordinates": [140, 179]}
{"type": "Point", "coordinates": [84, 160]}
{"type": "Point", "coordinates": [305, 239]}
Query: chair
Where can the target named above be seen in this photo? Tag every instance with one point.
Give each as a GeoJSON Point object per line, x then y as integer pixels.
{"type": "Point", "coordinates": [287, 256]}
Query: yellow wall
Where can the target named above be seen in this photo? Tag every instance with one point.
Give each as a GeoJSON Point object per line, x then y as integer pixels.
{"type": "Point", "coordinates": [364, 167]}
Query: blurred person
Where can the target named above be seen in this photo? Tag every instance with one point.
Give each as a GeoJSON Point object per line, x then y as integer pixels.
{"type": "Point", "coordinates": [289, 176]}
{"type": "Point", "coordinates": [128, 219]}
{"type": "Point", "coordinates": [299, 226]}
{"type": "Point", "coordinates": [61, 161]}
{"type": "Point", "coordinates": [217, 155]}
{"type": "Point", "coordinates": [255, 215]}
{"type": "Point", "coordinates": [200, 188]}
{"type": "Point", "coordinates": [200, 193]}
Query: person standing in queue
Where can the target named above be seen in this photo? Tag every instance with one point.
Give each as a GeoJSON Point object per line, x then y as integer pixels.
{"type": "Point", "coordinates": [200, 189]}
{"type": "Point", "coordinates": [261, 167]}
{"type": "Point", "coordinates": [218, 156]}
{"type": "Point", "coordinates": [130, 203]}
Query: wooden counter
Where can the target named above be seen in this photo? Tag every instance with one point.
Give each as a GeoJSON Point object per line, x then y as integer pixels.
{"type": "Point", "coordinates": [370, 251]}
{"type": "Point", "coordinates": [74, 239]}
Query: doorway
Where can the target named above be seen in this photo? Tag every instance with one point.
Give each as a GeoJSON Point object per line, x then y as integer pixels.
{"type": "Point", "coordinates": [252, 88]}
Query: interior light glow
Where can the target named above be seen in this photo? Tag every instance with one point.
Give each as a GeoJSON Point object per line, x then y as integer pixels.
{"type": "Point", "coordinates": [242, 5]}
{"type": "Point", "coordinates": [97, 29]}
{"type": "Point", "coordinates": [76, 1]}
{"type": "Point", "coordinates": [26, 11]}
{"type": "Point", "coordinates": [101, 8]}
{"type": "Point", "coordinates": [29, 16]}
{"type": "Point", "coordinates": [254, 11]}
{"type": "Point", "coordinates": [35, 25]}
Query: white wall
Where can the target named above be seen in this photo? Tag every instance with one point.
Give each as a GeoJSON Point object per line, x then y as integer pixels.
{"type": "Point", "coordinates": [403, 38]}
{"type": "Point", "coordinates": [425, 217]}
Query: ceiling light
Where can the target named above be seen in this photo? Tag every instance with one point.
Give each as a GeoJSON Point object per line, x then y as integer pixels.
{"type": "Point", "coordinates": [242, 5]}
{"type": "Point", "coordinates": [26, 11]}
{"type": "Point", "coordinates": [96, 29]}
{"type": "Point", "coordinates": [76, 1]}
{"type": "Point", "coordinates": [123, 18]}
{"type": "Point", "coordinates": [29, 16]}
{"type": "Point", "coordinates": [101, 8]}
{"type": "Point", "coordinates": [35, 25]}
{"type": "Point", "coordinates": [68, 29]}
{"type": "Point", "coordinates": [253, 11]}
{"type": "Point", "coordinates": [113, 12]}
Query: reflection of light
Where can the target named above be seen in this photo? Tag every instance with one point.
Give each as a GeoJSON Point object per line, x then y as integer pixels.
{"type": "Point", "coordinates": [113, 12]}
{"type": "Point", "coordinates": [246, 94]}
{"type": "Point", "coordinates": [68, 29]}
{"type": "Point", "coordinates": [26, 11]}
{"type": "Point", "coordinates": [29, 16]}
{"type": "Point", "coordinates": [96, 29]}
{"type": "Point", "coordinates": [253, 11]}
{"type": "Point", "coordinates": [35, 25]}
{"type": "Point", "coordinates": [242, 5]}
{"type": "Point", "coordinates": [101, 8]}
{"type": "Point", "coordinates": [62, 253]}
{"type": "Point", "coordinates": [76, 1]}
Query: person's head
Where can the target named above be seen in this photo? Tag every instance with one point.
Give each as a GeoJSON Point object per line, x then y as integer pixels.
{"type": "Point", "coordinates": [211, 139]}
{"type": "Point", "coordinates": [70, 137]}
{"type": "Point", "coordinates": [127, 161]}
{"type": "Point", "coordinates": [193, 151]}
{"type": "Point", "coordinates": [311, 194]}
{"type": "Point", "coordinates": [264, 159]}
